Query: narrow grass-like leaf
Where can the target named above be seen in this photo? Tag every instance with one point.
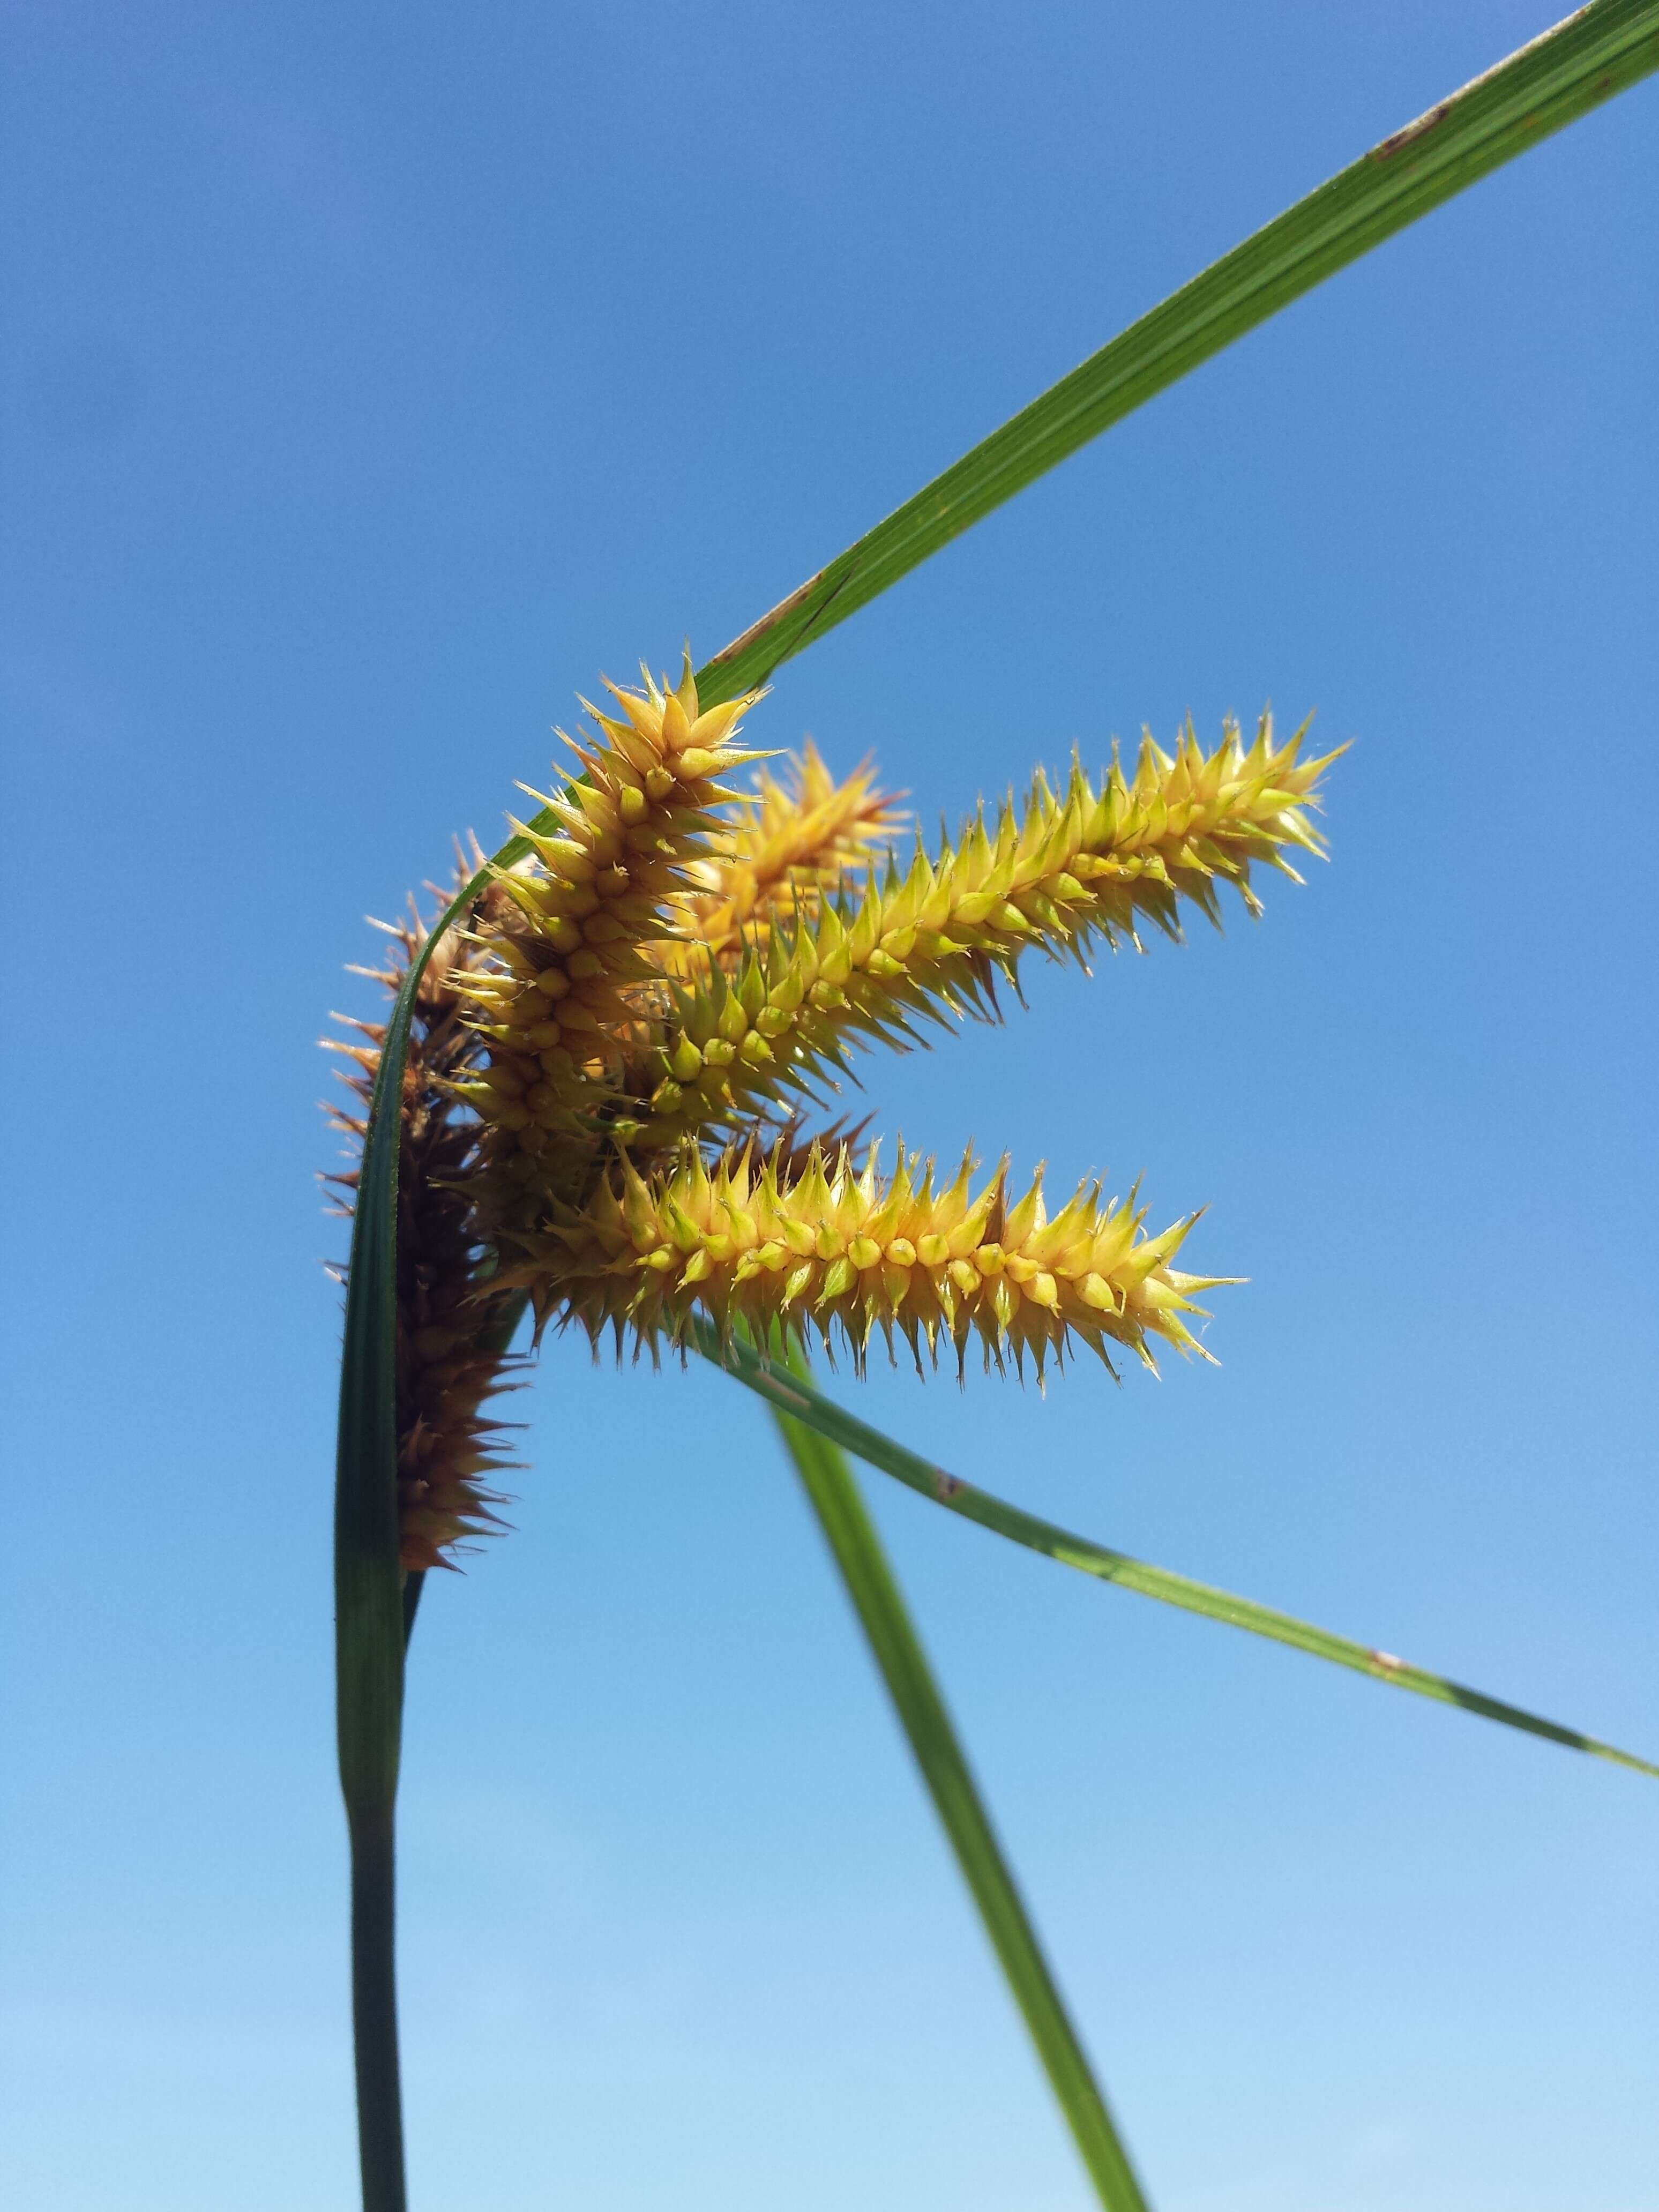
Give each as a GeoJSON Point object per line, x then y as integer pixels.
{"type": "Point", "coordinates": [1584, 60]}
{"type": "Point", "coordinates": [369, 1630]}
{"type": "Point", "coordinates": [792, 1394]}
{"type": "Point", "coordinates": [885, 1620]}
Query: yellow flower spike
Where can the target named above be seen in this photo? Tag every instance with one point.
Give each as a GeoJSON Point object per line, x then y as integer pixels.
{"type": "Point", "coordinates": [672, 964]}
{"type": "Point", "coordinates": [791, 841]}
{"type": "Point", "coordinates": [568, 923]}
{"type": "Point", "coordinates": [751, 1238]}
{"type": "Point", "coordinates": [1061, 873]}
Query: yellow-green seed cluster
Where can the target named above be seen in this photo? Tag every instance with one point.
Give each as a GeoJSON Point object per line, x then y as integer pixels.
{"type": "Point", "coordinates": [1084, 863]}
{"type": "Point", "coordinates": [800, 834]}
{"type": "Point", "coordinates": [673, 967]}
{"type": "Point", "coordinates": [847, 1254]}
{"type": "Point", "coordinates": [568, 927]}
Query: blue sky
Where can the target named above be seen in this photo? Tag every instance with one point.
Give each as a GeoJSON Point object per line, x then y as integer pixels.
{"type": "Point", "coordinates": [375, 378]}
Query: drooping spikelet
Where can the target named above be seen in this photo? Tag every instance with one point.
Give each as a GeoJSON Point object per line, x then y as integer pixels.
{"type": "Point", "coordinates": [844, 1254]}
{"type": "Point", "coordinates": [1071, 867]}
{"type": "Point", "coordinates": [450, 1325]}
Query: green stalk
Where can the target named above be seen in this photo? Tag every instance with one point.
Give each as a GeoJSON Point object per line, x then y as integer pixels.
{"type": "Point", "coordinates": [885, 1620]}
{"type": "Point", "coordinates": [788, 1392]}
{"type": "Point", "coordinates": [374, 2014]}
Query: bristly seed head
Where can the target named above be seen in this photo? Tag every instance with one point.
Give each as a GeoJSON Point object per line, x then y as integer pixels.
{"type": "Point", "coordinates": [449, 1456]}
{"type": "Point", "coordinates": [674, 964]}
{"type": "Point", "coordinates": [841, 1254]}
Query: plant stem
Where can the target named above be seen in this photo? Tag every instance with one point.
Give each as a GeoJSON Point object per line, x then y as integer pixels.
{"type": "Point", "coordinates": [374, 2014]}
{"type": "Point", "coordinates": [876, 1599]}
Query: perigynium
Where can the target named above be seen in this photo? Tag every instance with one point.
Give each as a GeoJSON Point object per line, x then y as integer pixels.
{"type": "Point", "coordinates": [604, 1111]}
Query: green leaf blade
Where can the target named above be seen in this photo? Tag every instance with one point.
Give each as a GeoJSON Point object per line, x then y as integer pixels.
{"type": "Point", "coordinates": [791, 1392]}
{"type": "Point", "coordinates": [1575, 66]}
{"type": "Point", "coordinates": [368, 1593]}
{"type": "Point", "coordinates": [368, 1629]}
{"type": "Point", "coordinates": [885, 1620]}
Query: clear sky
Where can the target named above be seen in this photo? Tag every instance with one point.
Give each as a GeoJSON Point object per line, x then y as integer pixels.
{"type": "Point", "coordinates": [374, 377]}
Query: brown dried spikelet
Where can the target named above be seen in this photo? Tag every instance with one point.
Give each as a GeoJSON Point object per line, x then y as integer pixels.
{"type": "Point", "coordinates": [450, 1366]}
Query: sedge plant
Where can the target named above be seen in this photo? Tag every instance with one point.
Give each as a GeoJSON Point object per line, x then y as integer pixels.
{"type": "Point", "coordinates": [605, 1095]}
